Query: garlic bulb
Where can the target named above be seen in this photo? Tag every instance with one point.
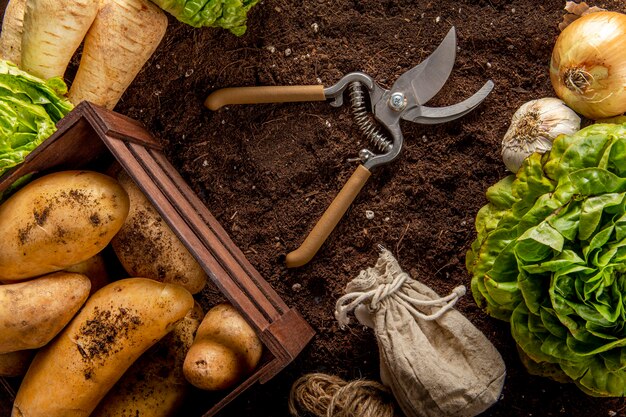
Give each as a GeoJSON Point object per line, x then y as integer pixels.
{"type": "Point", "coordinates": [533, 128]}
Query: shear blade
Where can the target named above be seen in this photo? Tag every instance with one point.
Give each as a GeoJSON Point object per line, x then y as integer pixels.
{"type": "Point", "coordinates": [426, 79]}
{"type": "Point", "coordinates": [434, 115]}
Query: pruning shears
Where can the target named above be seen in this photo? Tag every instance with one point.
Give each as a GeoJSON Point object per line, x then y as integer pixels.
{"type": "Point", "coordinates": [405, 100]}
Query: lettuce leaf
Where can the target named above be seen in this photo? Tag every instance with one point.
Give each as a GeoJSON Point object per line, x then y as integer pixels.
{"type": "Point", "coordinates": [227, 14]}
{"type": "Point", "coordinates": [29, 110]}
{"type": "Point", "coordinates": [550, 258]}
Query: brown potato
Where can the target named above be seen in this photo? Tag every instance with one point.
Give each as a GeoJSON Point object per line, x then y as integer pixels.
{"type": "Point", "coordinates": [155, 386]}
{"type": "Point", "coordinates": [93, 268]}
{"type": "Point", "coordinates": [15, 363]}
{"type": "Point", "coordinates": [70, 375]}
{"type": "Point", "coordinates": [147, 247]}
{"type": "Point", "coordinates": [212, 366]}
{"type": "Point", "coordinates": [33, 312]}
{"type": "Point", "coordinates": [225, 350]}
{"type": "Point", "coordinates": [57, 221]}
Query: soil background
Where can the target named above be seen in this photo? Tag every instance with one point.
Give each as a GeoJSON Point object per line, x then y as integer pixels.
{"type": "Point", "coordinates": [268, 171]}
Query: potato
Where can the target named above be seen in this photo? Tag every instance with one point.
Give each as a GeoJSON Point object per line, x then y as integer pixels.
{"type": "Point", "coordinates": [155, 386]}
{"type": "Point", "coordinates": [225, 350]}
{"type": "Point", "coordinates": [57, 221]}
{"type": "Point", "coordinates": [147, 247]}
{"type": "Point", "coordinates": [15, 363]}
{"type": "Point", "coordinates": [93, 268]}
{"type": "Point", "coordinates": [70, 375]}
{"type": "Point", "coordinates": [212, 366]}
{"type": "Point", "coordinates": [33, 312]}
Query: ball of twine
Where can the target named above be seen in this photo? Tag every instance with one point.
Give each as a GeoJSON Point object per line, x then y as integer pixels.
{"type": "Point", "coordinates": [323, 395]}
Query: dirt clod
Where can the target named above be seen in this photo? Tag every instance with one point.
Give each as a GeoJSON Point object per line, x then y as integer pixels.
{"type": "Point", "coordinates": [100, 336]}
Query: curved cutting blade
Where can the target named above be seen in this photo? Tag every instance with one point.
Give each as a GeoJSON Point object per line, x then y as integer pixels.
{"type": "Point", "coordinates": [434, 115]}
{"type": "Point", "coordinates": [426, 79]}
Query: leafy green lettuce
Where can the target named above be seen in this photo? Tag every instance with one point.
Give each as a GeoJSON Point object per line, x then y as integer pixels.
{"type": "Point", "coordinates": [550, 258]}
{"type": "Point", "coordinates": [227, 14]}
{"type": "Point", "coordinates": [29, 110]}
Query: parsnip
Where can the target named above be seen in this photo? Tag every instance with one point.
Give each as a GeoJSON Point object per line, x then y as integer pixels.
{"type": "Point", "coordinates": [123, 37]}
{"type": "Point", "coordinates": [12, 28]}
{"type": "Point", "coordinates": [53, 30]}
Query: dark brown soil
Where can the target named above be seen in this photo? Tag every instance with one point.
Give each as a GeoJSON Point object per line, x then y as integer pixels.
{"type": "Point", "coordinates": [268, 172]}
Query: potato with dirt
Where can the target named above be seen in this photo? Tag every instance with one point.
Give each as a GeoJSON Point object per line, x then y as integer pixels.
{"type": "Point", "coordinates": [147, 247]}
{"type": "Point", "coordinates": [58, 220]}
{"type": "Point", "coordinates": [154, 386]}
{"type": "Point", "coordinates": [225, 350]}
{"type": "Point", "coordinates": [70, 375]}
{"type": "Point", "coordinates": [33, 312]}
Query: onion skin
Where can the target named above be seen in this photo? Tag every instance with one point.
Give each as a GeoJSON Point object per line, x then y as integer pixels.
{"type": "Point", "coordinates": [588, 65]}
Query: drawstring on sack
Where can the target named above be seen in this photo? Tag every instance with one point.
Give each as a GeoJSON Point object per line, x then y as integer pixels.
{"type": "Point", "coordinates": [347, 303]}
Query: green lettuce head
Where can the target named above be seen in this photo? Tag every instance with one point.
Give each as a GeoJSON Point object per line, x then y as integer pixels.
{"type": "Point", "coordinates": [550, 258]}
{"type": "Point", "coordinates": [227, 14]}
{"type": "Point", "coordinates": [29, 110]}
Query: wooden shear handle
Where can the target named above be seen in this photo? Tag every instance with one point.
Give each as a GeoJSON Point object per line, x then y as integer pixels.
{"type": "Point", "coordinates": [329, 219]}
{"type": "Point", "coordinates": [268, 94]}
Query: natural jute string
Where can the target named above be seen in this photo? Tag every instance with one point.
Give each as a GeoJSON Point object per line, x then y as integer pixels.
{"type": "Point", "coordinates": [322, 395]}
{"type": "Point", "coordinates": [350, 301]}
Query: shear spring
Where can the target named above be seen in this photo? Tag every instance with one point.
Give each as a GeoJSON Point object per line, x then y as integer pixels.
{"type": "Point", "coordinates": [363, 120]}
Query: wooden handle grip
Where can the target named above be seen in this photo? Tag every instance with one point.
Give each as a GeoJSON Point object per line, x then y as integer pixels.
{"type": "Point", "coordinates": [329, 219]}
{"type": "Point", "coordinates": [269, 94]}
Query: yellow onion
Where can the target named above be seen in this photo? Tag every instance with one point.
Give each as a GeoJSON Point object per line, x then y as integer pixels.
{"type": "Point", "coordinates": [588, 66]}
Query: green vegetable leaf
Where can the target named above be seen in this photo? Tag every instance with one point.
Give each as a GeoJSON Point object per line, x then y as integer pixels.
{"type": "Point", "coordinates": [550, 258]}
{"type": "Point", "coordinates": [227, 14]}
{"type": "Point", "coordinates": [29, 110]}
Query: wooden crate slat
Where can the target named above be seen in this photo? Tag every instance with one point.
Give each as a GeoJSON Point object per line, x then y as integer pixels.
{"type": "Point", "coordinates": [119, 126]}
{"type": "Point", "coordinates": [219, 231]}
{"type": "Point", "coordinates": [229, 397]}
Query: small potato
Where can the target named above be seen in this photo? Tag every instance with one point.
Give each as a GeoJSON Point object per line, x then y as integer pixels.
{"type": "Point", "coordinates": [70, 375]}
{"type": "Point", "coordinates": [147, 247]}
{"type": "Point", "coordinates": [33, 312]}
{"type": "Point", "coordinates": [15, 363]}
{"type": "Point", "coordinates": [155, 386]}
{"type": "Point", "coordinates": [225, 325]}
{"type": "Point", "coordinates": [212, 366]}
{"type": "Point", "coordinates": [93, 268]}
{"type": "Point", "coordinates": [225, 350]}
{"type": "Point", "coordinates": [57, 221]}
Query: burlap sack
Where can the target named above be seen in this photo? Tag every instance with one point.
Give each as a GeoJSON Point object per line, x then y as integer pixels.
{"type": "Point", "coordinates": [436, 363]}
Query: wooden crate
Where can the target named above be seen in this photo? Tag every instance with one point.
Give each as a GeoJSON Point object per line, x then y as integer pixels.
{"type": "Point", "coordinates": [92, 137]}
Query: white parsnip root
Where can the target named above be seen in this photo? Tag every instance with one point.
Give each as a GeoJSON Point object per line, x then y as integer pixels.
{"type": "Point", "coordinates": [123, 37]}
{"type": "Point", "coordinates": [12, 28]}
{"type": "Point", "coordinates": [53, 31]}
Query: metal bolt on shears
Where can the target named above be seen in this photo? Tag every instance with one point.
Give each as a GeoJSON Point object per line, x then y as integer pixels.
{"type": "Point", "coordinates": [404, 101]}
